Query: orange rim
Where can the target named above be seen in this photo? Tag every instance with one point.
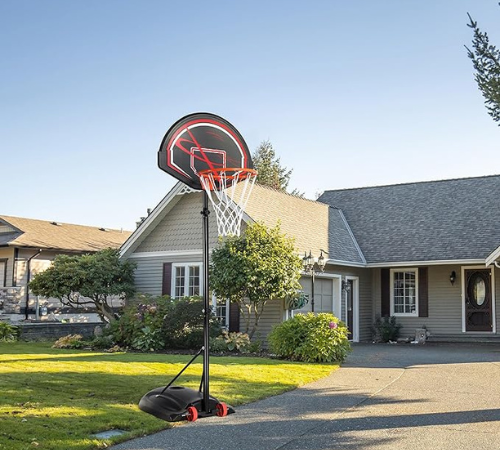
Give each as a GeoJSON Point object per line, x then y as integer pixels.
{"type": "Point", "coordinates": [229, 173]}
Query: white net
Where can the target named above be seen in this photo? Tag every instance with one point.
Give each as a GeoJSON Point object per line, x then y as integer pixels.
{"type": "Point", "coordinates": [228, 191]}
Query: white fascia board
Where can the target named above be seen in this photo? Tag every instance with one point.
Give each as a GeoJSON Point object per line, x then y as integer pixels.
{"type": "Point", "coordinates": [351, 234]}
{"type": "Point", "coordinates": [493, 256]}
{"type": "Point", "coordinates": [337, 262]}
{"type": "Point", "coordinates": [426, 263]}
{"type": "Point", "coordinates": [135, 237]}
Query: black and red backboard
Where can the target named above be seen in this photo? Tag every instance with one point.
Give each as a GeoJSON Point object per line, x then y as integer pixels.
{"type": "Point", "coordinates": [202, 141]}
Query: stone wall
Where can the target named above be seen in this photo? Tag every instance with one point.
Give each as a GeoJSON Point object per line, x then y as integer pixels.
{"type": "Point", "coordinates": [10, 300]}
{"type": "Point", "coordinates": [53, 331]}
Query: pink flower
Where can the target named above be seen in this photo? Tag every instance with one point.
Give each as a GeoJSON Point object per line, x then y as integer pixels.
{"type": "Point", "coordinates": [333, 325]}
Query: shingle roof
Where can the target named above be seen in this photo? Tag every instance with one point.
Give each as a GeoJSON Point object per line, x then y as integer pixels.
{"type": "Point", "coordinates": [430, 221]}
{"type": "Point", "coordinates": [21, 232]}
{"type": "Point", "coordinates": [314, 225]}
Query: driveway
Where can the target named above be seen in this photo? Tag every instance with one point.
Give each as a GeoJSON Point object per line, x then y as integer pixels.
{"type": "Point", "coordinates": [436, 396]}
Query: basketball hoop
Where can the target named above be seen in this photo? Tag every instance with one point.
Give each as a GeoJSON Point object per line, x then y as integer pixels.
{"type": "Point", "coordinates": [228, 190]}
{"type": "Point", "coordinates": [196, 151]}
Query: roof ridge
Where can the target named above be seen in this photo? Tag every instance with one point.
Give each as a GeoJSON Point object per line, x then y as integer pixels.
{"type": "Point", "coordinates": [53, 222]}
{"type": "Point", "coordinates": [411, 183]}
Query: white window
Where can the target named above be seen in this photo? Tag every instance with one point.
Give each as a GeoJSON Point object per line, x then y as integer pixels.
{"type": "Point", "coordinates": [404, 292]}
{"type": "Point", "coordinates": [221, 311]}
{"type": "Point", "coordinates": [186, 280]}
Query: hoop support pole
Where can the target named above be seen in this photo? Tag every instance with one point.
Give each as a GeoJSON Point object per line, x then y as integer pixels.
{"type": "Point", "coordinates": [206, 307]}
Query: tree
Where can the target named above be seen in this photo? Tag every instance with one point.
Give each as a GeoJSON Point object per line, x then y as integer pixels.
{"type": "Point", "coordinates": [270, 172]}
{"type": "Point", "coordinates": [87, 280]}
{"type": "Point", "coordinates": [254, 268]}
{"type": "Point", "coordinates": [486, 61]}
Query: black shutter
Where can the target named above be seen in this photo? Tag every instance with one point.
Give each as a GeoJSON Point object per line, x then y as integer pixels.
{"type": "Point", "coordinates": [385, 292]}
{"type": "Point", "coordinates": [423, 292]}
{"type": "Point", "coordinates": [167, 279]}
{"type": "Point", "coordinates": [234, 317]}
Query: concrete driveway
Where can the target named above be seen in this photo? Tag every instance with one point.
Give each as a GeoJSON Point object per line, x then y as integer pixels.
{"type": "Point", "coordinates": [435, 396]}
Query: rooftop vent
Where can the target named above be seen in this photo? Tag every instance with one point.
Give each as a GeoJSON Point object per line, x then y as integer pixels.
{"type": "Point", "coordinates": [57, 224]}
{"type": "Point", "coordinates": [103, 229]}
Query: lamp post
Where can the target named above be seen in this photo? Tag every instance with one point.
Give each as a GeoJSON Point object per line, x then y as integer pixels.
{"type": "Point", "coordinates": [311, 267]}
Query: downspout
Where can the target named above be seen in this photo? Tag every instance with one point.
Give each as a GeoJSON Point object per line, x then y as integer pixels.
{"type": "Point", "coordinates": [28, 278]}
{"type": "Point", "coordinates": [497, 264]}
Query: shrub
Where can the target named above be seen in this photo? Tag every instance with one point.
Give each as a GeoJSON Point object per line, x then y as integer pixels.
{"type": "Point", "coordinates": [71, 341]}
{"type": "Point", "coordinates": [148, 339]}
{"type": "Point", "coordinates": [161, 322]}
{"type": "Point", "coordinates": [183, 324]}
{"type": "Point", "coordinates": [385, 329]}
{"type": "Point", "coordinates": [8, 332]}
{"type": "Point", "coordinates": [311, 338]}
{"type": "Point", "coordinates": [139, 327]}
{"type": "Point", "coordinates": [232, 342]}
{"type": "Point", "coordinates": [102, 342]}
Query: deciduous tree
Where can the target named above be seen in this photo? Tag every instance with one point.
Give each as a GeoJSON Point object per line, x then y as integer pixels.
{"type": "Point", "coordinates": [87, 280]}
{"type": "Point", "coordinates": [250, 270]}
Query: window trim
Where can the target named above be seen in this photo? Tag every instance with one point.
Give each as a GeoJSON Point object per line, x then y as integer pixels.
{"type": "Point", "coordinates": [214, 311]}
{"type": "Point", "coordinates": [187, 275]}
{"type": "Point", "coordinates": [5, 261]}
{"type": "Point", "coordinates": [391, 286]}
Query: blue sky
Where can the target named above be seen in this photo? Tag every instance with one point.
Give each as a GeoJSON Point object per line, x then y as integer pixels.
{"type": "Point", "coordinates": [350, 93]}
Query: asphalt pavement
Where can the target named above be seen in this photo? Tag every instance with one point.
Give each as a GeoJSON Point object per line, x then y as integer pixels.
{"type": "Point", "coordinates": [433, 396]}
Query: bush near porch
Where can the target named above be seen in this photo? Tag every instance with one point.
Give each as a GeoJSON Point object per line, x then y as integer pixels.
{"type": "Point", "coordinates": [311, 338]}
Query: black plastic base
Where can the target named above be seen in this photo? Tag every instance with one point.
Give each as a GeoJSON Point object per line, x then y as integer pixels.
{"type": "Point", "coordinates": [172, 405]}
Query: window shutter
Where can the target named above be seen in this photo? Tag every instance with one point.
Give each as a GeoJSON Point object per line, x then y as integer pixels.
{"type": "Point", "coordinates": [234, 317]}
{"type": "Point", "coordinates": [423, 292]}
{"type": "Point", "coordinates": [385, 294]}
{"type": "Point", "coordinates": [167, 279]}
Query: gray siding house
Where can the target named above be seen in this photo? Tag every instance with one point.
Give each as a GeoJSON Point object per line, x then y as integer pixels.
{"type": "Point", "coordinates": [427, 253]}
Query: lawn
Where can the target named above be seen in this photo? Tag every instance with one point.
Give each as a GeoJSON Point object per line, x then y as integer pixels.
{"type": "Point", "coordinates": [56, 399]}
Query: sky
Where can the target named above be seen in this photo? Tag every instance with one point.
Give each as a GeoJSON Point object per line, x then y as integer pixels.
{"type": "Point", "coordinates": [350, 93]}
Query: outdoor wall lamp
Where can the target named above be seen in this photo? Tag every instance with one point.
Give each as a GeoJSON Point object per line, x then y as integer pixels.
{"type": "Point", "coordinates": [346, 286]}
{"type": "Point", "coordinates": [453, 277]}
{"type": "Point", "coordinates": [311, 267]}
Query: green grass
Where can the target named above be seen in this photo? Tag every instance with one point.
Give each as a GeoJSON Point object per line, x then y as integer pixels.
{"type": "Point", "coordinates": [56, 399]}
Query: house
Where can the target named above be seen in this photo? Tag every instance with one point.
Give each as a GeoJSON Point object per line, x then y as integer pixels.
{"type": "Point", "coordinates": [427, 253]}
{"type": "Point", "coordinates": [433, 252]}
{"type": "Point", "coordinates": [28, 246]}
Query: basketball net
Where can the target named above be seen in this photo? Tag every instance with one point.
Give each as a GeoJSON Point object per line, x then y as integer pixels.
{"type": "Point", "coordinates": [228, 190]}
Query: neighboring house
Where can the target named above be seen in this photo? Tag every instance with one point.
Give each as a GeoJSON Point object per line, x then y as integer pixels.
{"type": "Point", "coordinates": [427, 253]}
{"type": "Point", "coordinates": [28, 246]}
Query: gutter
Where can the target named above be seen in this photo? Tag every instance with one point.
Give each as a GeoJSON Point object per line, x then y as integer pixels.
{"type": "Point", "coordinates": [28, 277]}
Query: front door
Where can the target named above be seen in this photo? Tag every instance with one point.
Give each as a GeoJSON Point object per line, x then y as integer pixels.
{"type": "Point", "coordinates": [478, 301]}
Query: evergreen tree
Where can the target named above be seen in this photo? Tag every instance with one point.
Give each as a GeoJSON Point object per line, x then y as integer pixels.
{"type": "Point", "coordinates": [486, 61]}
{"type": "Point", "coordinates": [270, 172]}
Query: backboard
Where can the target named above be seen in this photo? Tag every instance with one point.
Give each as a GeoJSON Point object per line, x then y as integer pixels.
{"type": "Point", "coordinates": [201, 141]}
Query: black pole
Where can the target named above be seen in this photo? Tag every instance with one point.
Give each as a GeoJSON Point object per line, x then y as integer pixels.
{"type": "Point", "coordinates": [28, 279]}
{"type": "Point", "coordinates": [312, 290]}
{"type": "Point", "coordinates": [206, 306]}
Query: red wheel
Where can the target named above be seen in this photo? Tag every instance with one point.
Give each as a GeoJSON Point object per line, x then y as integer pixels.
{"type": "Point", "coordinates": [221, 409]}
{"type": "Point", "coordinates": [192, 414]}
